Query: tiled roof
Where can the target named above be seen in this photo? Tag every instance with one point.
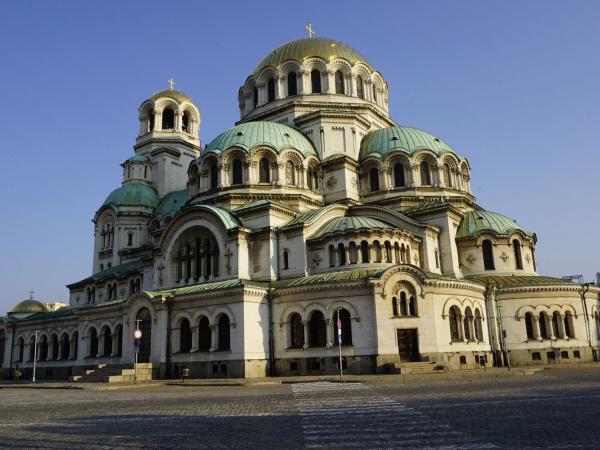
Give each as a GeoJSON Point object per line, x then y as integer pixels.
{"type": "Point", "coordinates": [171, 203]}
{"type": "Point", "coordinates": [114, 272]}
{"type": "Point", "coordinates": [515, 281]}
{"type": "Point", "coordinates": [476, 222]}
{"type": "Point", "coordinates": [352, 223]}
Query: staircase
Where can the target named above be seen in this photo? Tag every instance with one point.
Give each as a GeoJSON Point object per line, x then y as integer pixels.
{"type": "Point", "coordinates": [115, 373]}
{"type": "Point", "coordinates": [418, 367]}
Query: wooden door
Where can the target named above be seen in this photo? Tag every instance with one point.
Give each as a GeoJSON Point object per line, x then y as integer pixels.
{"type": "Point", "coordinates": [408, 344]}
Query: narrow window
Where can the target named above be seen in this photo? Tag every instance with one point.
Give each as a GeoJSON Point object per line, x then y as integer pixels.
{"type": "Point", "coordinates": [290, 173]}
{"type": "Point", "coordinates": [339, 82]}
{"type": "Point", "coordinates": [488, 255]}
{"type": "Point", "coordinates": [543, 326]}
{"type": "Point", "coordinates": [359, 87]}
{"type": "Point", "coordinates": [364, 251]}
{"type": "Point", "coordinates": [309, 179]}
{"type": "Point", "coordinates": [377, 247]}
{"type": "Point", "coordinates": [518, 258]}
{"type": "Point", "coordinates": [478, 325]}
{"type": "Point", "coordinates": [168, 119]}
{"type": "Point", "coordinates": [204, 335]}
{"type": "Point", "coordinates": [286, 262]}
{"type": "Point", "coordinates": [425, 174]}
{"type": "Point", "coordinates": [255, 96]}
{"type": "Point", "coordinates": [529, 325]}
{"type": "Point", "coordinates": [555, 322]}
{"type": "Point", "coordinates": [374, 93]}
{"type": "Point", "coordinates": [185, 336]}
{"type": "Point", "coordinates": [437, 258]}
{"type": "Point", "coordinates": [352, 251]}
{"type": "Point", "coordinates": [317, 330]}
{"type": "Point", "coordinates": [264, 169]}
{"type": "Point", "coordinates": [145, 172]}
{"type": "Point", "coordinates": [374, 179]}
{"type": "Point", "coordinates": [130, 239]}
{"type": "Point", "coordinates": [214, 176]}
{"type": "Point", "coordinates": [185, 123]}
{"type": "Point", "coordinates": [271, 90]}
{"type": "Point", "coordinates": [454, 317]}
{"type": "Point", "coordinates": [403, 305]}
{"type": "Point", "coordinates": [447, 176]}
{"type": "Point", "coordinates": [388, 251]}
{"type": "Point", "coordinates": [315, 81]}
{"type": "Point", "coordinates": [394, 306]}
{"type": "Point", "coordinates": [346, 322]}
{"type": "Point", "coordinates": [296, 331]}
{"type": "Point", "coordinates": [412, 306]}
{"type": "Point", "coordinates": [292, 83]}
{"type": "Point", "coordinates": [399, 175]}
{"type": "Point", "coordinates": [331, 256]}
{"type": "Point", "coordinates": [237, 171]}
{"type": "Point", "coordinates": [467, 321]}
{"type": "Point", "coordinates": [341, 254]}
{"type": "Point", "coordinates": [569, 329]}
{"type": "Point", "coordinates": [224, 338]}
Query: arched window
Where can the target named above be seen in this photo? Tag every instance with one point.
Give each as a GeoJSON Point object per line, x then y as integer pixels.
{"type": "Point", "coordinates": [286, 260]}
{"type": "Point", "coordinates": [54, 346]}
{"type": "Point", "coordinates": [224, 341]}
{"type": "Point", "coordinates": [185, 122]}
{"type": "Point", "coordinates": [93, 343]}
{"type": "Point", "coordinates": [377, 248]}
{"type": "Point", "coordinates": [296, 331]}
{"type": "Point", "coordinates": [236, 169]}
{"type": "Point", "coordinates": [352, 251]}
{"type": "Point", "coordinates": [436, 254]}
{"type": "Point", "coordinates": [569, 328]}
{"type": "Point", "coordinates": [425, 174]}
{"type": "Point", "coordinates": [364, 252]}
{"type": "Point", "coordinates": [119, 336]}
{"type": "Point", "coordinates": [315, 81]}
{"type": "Point", "coordinates": [339, 82]}
{"type": "Point", "coordinates": [478, 325]}
{"type": "Point", "coordinates": [331, 256]}
{"type": "Point", "coordinates": [403, 305]}
{"type": "Point", "coordinates": [292, 83]}
{"type": "Point", "coordinates": [31, 350]}
{"type": "Point", "coordinates": [309, 178]}
{"type": "Point", "coordinates": [543, 326]}
{"type": "Point", "coordinates": [168, 119]}
{"type": "Point", "coordinates": [399, 175]}
{"type": "Point", "coordinates": [374, 179]}
{"type": "Point", "coordinates": [447, 175]}
{"type": "Point", "coordinates": [374, 93]}
{"type": "Point", "coordinates": [360, 93]}
{"type": "Point", "coordinates": [107, 342]}
{"type": "Point", "coordinates": [255, 96]}
{"type": "Point", "coordinates": [75, 344]}
{"type": "Point", "coordinates": [264, 171]}
{"type": "Point", "coordinates": [185, 336]}
{"type": "Point", "coordinates": [21, 349]}
{"type": "Point", "coordinates": [346, 322]}
{"type": "Point", "coordinates": [394, 306]}
{"type": "Point", "coordinates": [517, 251]}
{"type": "Point", "coordinates": [290, 173]}
{"type": "Point", "coordinates": [412, 306]}
{"type": "Point", "coordinates": [341, 254]}
{"type": "Point", "coordinates": [467, 322]}
{"type": "Point", "coordinates": [529, 325]}
{"type": "Point", "coordinates": [555, 321]}
{"type": "Point", "coordinates": [388, 251]}
{"type": "Point", "coordinates": [317, 330]}
{"type": "Point", "coordinates": [397, 253]}
{"type": "Point", "coordinates": [214, 176]}
{"type": "Point", "coordinates": [204, 335]}
{"type": "Point", "coordinates": [454, 318]}
{"type": "Point", "coordinates": [271, 90]}
{"type": "Point", "coordinates": [488, 255]}
{"type": "Point", "coordinates": [403, 253]}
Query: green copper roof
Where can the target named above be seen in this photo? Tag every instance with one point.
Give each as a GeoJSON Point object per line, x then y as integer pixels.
{"type": "Point", "coordinates": [171, 203]}
{"type": "Point", "coordinates": [198, 288]}
{"type": "Point", "coordinates": [308, 216]}
{"type": "Point", "coordinates": [329, 277]}
{"type": "Point", "coordinates": [380, 143]}
{"type": "Point", "coordinates": [476, 222]}
{"type": "Point", "coordinates": [228, 219]}
{"type": "Point", "coordinates": [114, 272]}
{"type": "Point", "coordinates": [301, 49]}
{"type": "Point", "coordinates": [132, 194]}
{"type": "Point", "coordinates": [28, 307]}
{"type": "Point", "coordinates": [352, 223]}
{"type": "Point", "coordinates": [516, 281]}
{"type": "Point", "coordinates": [175, 95]}
{"type": "Point", "coordinates": [138, 158]}
{"type": "Point", "coordinates": [253, 134]}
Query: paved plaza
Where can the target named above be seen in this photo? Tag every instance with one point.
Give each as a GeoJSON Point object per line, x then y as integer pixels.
{"type": "Point", "coordinates": [553, 408]}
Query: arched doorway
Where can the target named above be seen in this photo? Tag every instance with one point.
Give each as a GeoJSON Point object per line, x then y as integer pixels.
{"type": "Point", "coordinates": [144, 321]}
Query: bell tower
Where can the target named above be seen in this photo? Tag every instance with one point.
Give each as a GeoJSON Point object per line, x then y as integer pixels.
{"type": "Point", "coordinates": [168, 137]}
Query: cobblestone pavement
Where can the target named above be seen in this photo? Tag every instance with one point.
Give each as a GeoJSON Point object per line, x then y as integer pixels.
{"type": "Point", "coordinates": [557, 409]}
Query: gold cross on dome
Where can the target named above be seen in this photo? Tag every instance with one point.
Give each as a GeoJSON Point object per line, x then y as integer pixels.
{"type": "Point", "coordinates": [31, 294]}
{"type": "Point", "coordinates": [310, 30]}
{"type": "Point", "coordinates": [171, 83]}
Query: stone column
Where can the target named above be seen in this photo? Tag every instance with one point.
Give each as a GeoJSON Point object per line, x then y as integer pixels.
{"type": "Point", "coordinates": [330, 88]}
{"type": "Point", "coordinates": [278, 87]}
{"type": "Point", "coordinates": [214, 337]}
{"type": "Point", "coordinates": [353, 84]}
{"type": "Point", "coordinates": [306, 336]}
{"type": "Point", "coordinates": [157, 120]}
{"type": "Point", "coordinates": [561, 326]}
{"type": "Point", "coordinates": [536, 328]}
{"type": "Point", "coordinates": [195, 338]}
{"type": "Point", "coordinates": [302, 83]}
{"type": "Point", "coordinates": [328, 332]}
{"type": "Point", "coordinates": [412, 182]}
{"type": "Point", "coordinates": [262, 93]}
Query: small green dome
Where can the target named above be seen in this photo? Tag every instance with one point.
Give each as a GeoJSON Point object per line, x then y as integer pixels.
{"type": "Point", "coordinates": [253, 134]}
{"type": "Point", "coordinates": [301, 49]}
{"type": "Point", "coordinates": [28, 307]}
{"type": "Point", "coordinates": [171, 203]}
{"type": "Point", "coordinates": [138, 158]}
{"type": "Point", "coordinates": [351, 223]}
{"type": "Point", "coordinates": [476, 222]}
{"type": "Point", "coordinates": [178, 96]}
{"type": "Point", "coordinates": [380, 143]}
{"type": "Point", "coordinates": [133, 194]}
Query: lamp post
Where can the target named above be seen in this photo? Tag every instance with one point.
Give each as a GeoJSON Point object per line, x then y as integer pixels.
{"type": "Point", "coordinates": [137, 335]}
{"type": "Point", "coordinates": [585, 287]}
{"type": "Point", "coordinates": [339, 335]}
{"type": "Point", "coordinates": [34, 355]}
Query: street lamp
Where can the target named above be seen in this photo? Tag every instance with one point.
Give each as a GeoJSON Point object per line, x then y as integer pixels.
{"type": "Point", "coordinates": [137, 335]}
{"type": "Point", "coordinates": [339, 335]}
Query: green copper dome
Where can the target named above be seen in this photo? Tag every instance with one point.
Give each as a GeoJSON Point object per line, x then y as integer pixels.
{"type": "Point", "coordinates": [301, 49]}
{"type": "Point", "coordinates": [380, 143]}
{"type": "Point", "coordinates": [134, 194]}
{"type": "Point", "coordinates": [476, 222]}
{"type": "Point", "coordinates": [139, 158]}
{"type": "Point", "coordinates": [254, 134]}
{"type": "Point", "coordinates": [178, 96]}
{"type": "Point", "coordinates": [352, 223]}
{"type": "Point", "coordinates": [28, 307]}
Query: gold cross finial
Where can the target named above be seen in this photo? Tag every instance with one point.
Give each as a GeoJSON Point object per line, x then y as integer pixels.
{"type": "Point", "coordinates": [171, 83]}
{"type": "Point", "coordinates": [31, 294]}
{"type": "Point", "coordinates": [310, 30]}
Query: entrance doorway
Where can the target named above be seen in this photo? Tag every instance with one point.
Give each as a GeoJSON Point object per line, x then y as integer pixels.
{"type": "Point", "coordinates": [145, 325]}
{"type": "Point", "coordinates": [408, 344]}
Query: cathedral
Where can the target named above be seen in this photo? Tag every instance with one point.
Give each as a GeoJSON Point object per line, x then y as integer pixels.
{"type": "Point", "coordinates": [316, 232]}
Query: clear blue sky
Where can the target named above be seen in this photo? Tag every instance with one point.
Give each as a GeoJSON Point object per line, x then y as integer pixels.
{"type": "Point", "coordinates": [512, 85]}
